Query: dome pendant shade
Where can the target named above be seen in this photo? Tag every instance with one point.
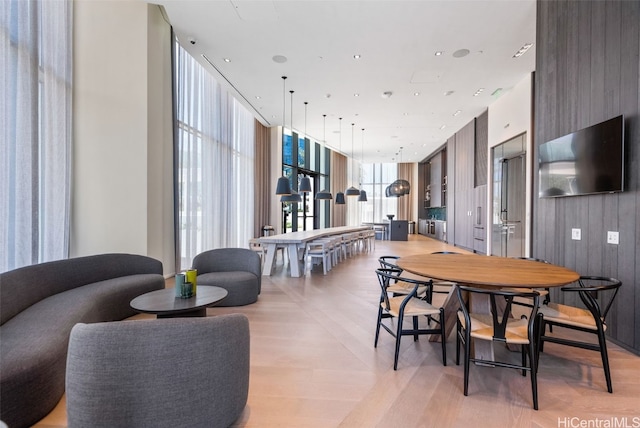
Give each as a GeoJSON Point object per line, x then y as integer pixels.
{"type": "Point", "coordinates": [305, 185]}
{"type": "Point", "coordinates": [363, 196]}
{"type": "Point", "coordinates": [283, 187]}
{"type": "Point", "coordinates": [292, 198]}
{"type": "Point", "coordinates": [352, 191]}
{"type": "Point", "coordinates": [324, 194]}
{"type": "Point", "coordinates": [340, 198]}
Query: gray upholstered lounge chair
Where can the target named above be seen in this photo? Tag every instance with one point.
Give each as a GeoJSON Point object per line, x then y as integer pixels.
{"type": "Point", "coordinates": [179, 372]}
{"type": "Point", "coordinates": [237, 270]}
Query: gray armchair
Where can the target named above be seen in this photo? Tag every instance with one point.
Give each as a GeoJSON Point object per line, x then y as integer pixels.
{"type": "Point", "coordinates": [237, 270]}
{"type": "Point", "coordinates": [158, 373]}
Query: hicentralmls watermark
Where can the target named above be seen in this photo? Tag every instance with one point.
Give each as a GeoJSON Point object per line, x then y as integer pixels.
{"type": "Point", "coordinates": [612, 422]}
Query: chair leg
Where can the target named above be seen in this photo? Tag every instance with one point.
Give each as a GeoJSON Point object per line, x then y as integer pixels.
{"type": "Point", "coordinates": [458, 342]}
{"type": "Point", "coordinates": [415, 328]}
{"type": "Point", "coordinates": [467, 355]}
{"type": "Point", "coordinates": [443, 339]}
{"type": "Point", "coordinates": [398, 337]}
{"type": "Point", "coordinates": [375, 343]}
{"type": "Point", "coordinates": [534, 374]}
{"type": "Point", "coordinates": [524, 359]}
{"type": "Point", "coordinates": [605, 359]}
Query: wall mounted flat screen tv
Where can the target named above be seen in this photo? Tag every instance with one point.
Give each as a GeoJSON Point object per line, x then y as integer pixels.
{"type": "Point", "coordinates": [587, 161]}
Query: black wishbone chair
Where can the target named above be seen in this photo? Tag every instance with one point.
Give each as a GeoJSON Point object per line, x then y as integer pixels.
{"type": "Point", "coordinates": [590, 320]}
{"type": "Point", "coordinates": [499, 326]}
{"type": "Point", "coordinates": [410, 305]}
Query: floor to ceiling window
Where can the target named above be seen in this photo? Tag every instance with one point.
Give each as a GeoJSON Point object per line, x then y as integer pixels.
{"type": "Point", "coordinates": [215, 163]}
{"type": "Point", "coordinates": [305, 159]}
{"type": "Point", "coordinates": [375, 179]}
{"type": "Point", "coordinates": [35, 150]}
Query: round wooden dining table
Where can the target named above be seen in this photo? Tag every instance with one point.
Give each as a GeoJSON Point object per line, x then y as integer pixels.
{"type": "Point", "coordinates": [474, 269]}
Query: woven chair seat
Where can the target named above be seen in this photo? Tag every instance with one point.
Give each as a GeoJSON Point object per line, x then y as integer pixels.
{"type": "Point", "coordinates": [415, 307]}
{"type": "Point", "coordinates": [482, 328]}
{"type": "Point", "coordinates": [569, 315]}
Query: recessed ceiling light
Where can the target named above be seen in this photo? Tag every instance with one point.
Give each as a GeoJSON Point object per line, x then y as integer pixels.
{"type": "Point", "coordinates": [496, 92]}
{"type": "Point", "coordinates": [280, 59]}
{"type": "Point", "coordinates": [415, 94]}
{"type": "Point", "coordinates": [356, 95]}
{"type": "Point", "coordinates": [227, 60]}
{"type": "Point", "coordinates": [356, 56]}
{"type": "Point", "coordinates": [449, 93]}
{"type": "Point", "coordinates": [439, 53]}
{"type": "Point", "coordinates": [443, 126]}
{"type": "Point", "coordinates": [258, 97]}
{"type": "Point", "coordinates": [460, 53]}
{"type": "Point", "coordinates": [522, 50]}
{"type": "Point", "coordinates": [405, 114]}
{"type": "Point", "coordinates": [478, 92]}
{"type": "Point", "coordinates": [457, 112]}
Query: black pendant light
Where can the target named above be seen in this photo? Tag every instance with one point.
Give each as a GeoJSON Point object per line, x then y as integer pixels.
{"type": "Point", "coordinates": [293, 198]}
{"type": "Point", "coordinates": [305, 183]}
{"type": "Point", "coordinates": [324, 194]}
{"type": "Point", "coordinates": [352, 191]}
{"type": "Point", "coordinates": [284, 185]}
{"type": "Point", "coordinates": [340, 195]}
{"type": "Point", "coordinates": [363, 195]}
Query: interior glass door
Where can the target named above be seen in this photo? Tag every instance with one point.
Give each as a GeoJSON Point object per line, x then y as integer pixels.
{"type": "Point", "coordinates": [509, 193]}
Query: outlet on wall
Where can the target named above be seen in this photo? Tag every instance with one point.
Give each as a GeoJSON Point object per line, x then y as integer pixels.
{"type": "Point", "coordinates": [613, 238]}
{"type": "Point", "coordinates": [576, 234]}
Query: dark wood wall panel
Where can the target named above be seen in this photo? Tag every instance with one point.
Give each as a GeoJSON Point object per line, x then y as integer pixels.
{"type": "Point", "coordinates": [481, 149]}
{"type": "Point", "coordinates": [587, 71]}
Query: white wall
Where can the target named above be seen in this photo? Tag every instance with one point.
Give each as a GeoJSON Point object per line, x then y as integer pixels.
{"type": "Point", "coordinates": [121, 200]}
{"type": "Point", "coordinates": [509, 116]}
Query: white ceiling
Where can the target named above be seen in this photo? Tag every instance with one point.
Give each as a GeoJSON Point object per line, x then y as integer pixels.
{"type": "Point", "coordinates": [397, 41]}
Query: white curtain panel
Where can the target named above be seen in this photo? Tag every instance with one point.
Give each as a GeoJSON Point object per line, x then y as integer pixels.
{"type": "Point", "coordinates": [215, 163]}
{"type": "Point", "coordinates": [35, 109]}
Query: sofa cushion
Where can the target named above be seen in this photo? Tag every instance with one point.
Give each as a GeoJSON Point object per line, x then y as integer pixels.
{"type": "Point", "coordinates": [23, 287]}
{"type": "Point", "coordinates": [243, 287]}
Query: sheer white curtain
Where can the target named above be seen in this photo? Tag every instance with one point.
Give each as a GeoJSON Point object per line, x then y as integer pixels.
{"type": "Point", "coordinates": [35, 110]}
{"type": "Point", "coordinates": [215, 163]}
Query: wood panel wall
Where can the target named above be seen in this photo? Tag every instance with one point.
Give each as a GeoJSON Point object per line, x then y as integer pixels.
{"type": "Point", "coordinates": [587, 71]}
{"type": "Point", "coordinates": [481, 152]}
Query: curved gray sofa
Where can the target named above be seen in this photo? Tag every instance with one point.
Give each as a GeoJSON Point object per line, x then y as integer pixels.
{"type": "Point", "coordinates": [40, 304]}
{"type": "Point", "coordinates": [116, 377]}
{"type": "Point", "coordinates": [237, 270]}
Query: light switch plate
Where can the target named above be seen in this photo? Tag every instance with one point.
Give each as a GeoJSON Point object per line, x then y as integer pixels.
{"type": "Point", "coordinates": [613, 238]}
{"type": "Point", "coordinates": [576, 234]}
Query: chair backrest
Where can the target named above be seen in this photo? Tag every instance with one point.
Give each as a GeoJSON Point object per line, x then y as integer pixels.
{"type": "Point", "coordinates": [591, 288]}
{"type": "Point", "coordinates": [228, 259]}
{"type": "Point", "coordinates": [386, 275]}
{"type": "Point", "coordinates": [500, 313]}
{"type": "Point", "coordinates": [388, 262]}
{"type": "Point", "coordinates": [160, 373]}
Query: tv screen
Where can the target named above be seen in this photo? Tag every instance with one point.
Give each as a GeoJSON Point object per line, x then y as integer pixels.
{"type": "Point", "coordinates": [587, 161]}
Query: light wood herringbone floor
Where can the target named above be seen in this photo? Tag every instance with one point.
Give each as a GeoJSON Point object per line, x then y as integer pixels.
{"type": "Point", "coordinates": [313, 364]}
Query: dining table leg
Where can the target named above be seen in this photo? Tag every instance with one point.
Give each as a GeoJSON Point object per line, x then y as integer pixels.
{"type": "Point", "coordinates": [269, 259]}
{"type": "Point", "coordinates": [295, 259]}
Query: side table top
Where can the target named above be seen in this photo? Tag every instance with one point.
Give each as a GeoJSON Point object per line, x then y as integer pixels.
{"type": "Point", "coordinates": [165, 301]}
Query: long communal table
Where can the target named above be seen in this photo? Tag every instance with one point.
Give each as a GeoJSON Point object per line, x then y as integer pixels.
{"type": "Point", "coordinates": [296, 243]}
